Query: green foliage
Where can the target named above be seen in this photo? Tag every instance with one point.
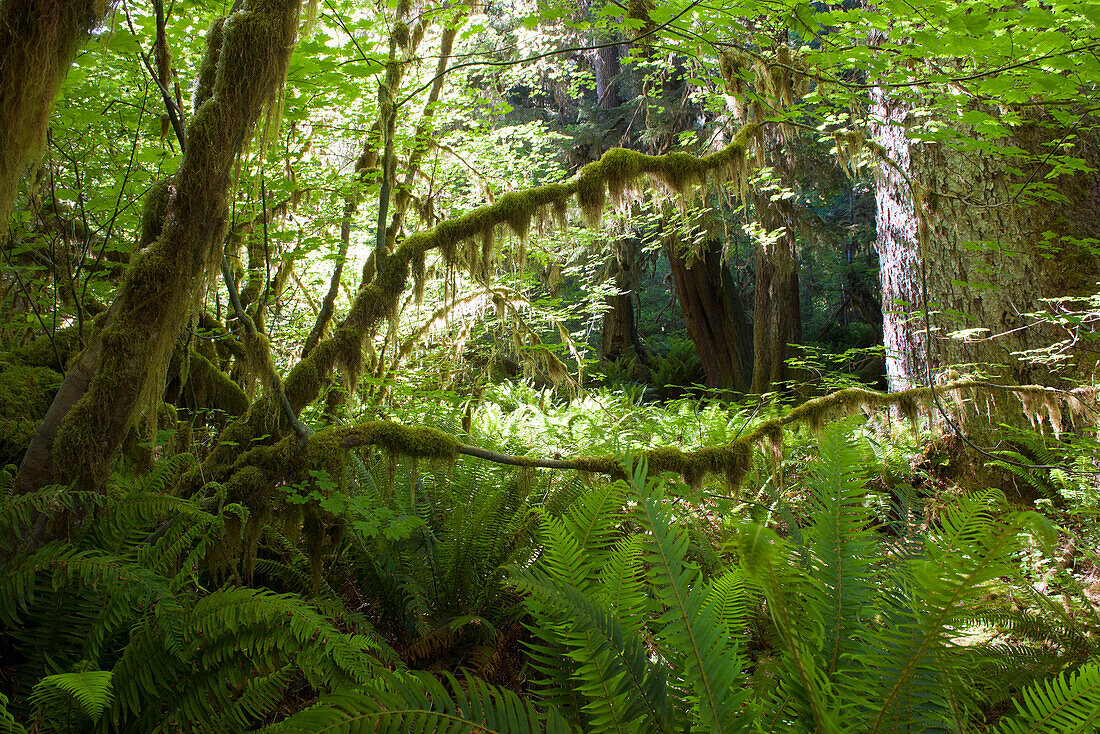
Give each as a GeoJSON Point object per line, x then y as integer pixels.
{"type": "Point", "coordinates": [595, 604]}
{"type": "Point", "coordinates": [419, 702]}
{"type": "Point", "coordinates": [91, 690]}
{"type": "Point", "coordinates": [1069, 702]}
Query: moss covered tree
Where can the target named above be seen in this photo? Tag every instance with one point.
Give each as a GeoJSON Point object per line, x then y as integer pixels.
{"type": "Point", "coordinates": [121, 372]}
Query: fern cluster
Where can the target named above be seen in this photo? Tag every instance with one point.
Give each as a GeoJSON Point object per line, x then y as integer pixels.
{"type": "Point", "coordinates": [463, 599]}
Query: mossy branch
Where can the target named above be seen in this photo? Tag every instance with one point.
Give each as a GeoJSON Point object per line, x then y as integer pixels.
{"type": "Point", "coordinates": [731, 461]}
{"type": "Point", "coordinates": [612, 174]}
{"type": "Point", "coordinates": [246, 61]}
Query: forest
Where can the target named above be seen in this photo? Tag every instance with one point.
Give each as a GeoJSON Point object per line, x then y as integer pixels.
{"type": "Point", "coordinates": [532, 365]}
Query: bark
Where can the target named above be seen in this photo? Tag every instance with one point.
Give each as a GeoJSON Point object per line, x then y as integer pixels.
{"type": "Point", "coordinates": [989, 257]}
{"type": "Point", "coordinates": [714, 316]}
{"type": "Point", "coordinates": [777, 307]}
{"type": "Point", "coordinates": [38, 42]}
{"type": "Point", "coordinates": [620, 323]}
{"type": "Point", "coordinates": [245, 60]}
{"type": "Point", "coordinates": [903, 333]}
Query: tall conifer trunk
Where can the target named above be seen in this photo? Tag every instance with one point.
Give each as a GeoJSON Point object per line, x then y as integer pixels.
{"type": "Point", "coordinates": [777, 308]}
{"type": "Point", "coordinates": [990, 256]}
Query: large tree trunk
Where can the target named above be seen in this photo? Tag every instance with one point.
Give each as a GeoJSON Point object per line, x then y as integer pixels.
{"type": "Point", "coordinates": [246, 58]}
{"type": "Point", "coordinates": [38, 41]}
{"type": "Point", "coordinates": [619, 335]}
{"type": "Point", "coordinates": [714, 316]}
{"type": "Point", "coordinates": [777, 308]}
{"type": "Point", "coordinates": [989, 258]}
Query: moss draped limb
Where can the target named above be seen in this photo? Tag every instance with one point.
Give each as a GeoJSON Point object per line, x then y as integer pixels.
{"type": "Point", "coordinates": [162, 285]}
{"type": "Point", "coordinates": [616, 169]}
{"type": "Point", "coordinates": [38, 41]}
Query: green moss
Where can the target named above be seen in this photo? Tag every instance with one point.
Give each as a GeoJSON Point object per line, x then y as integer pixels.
{"type": "Point", "coordinates": [153, 210]}
{"type": "Point", "coordinates": [591, 194]}
{"type": "Point", "coordinates": [213, 388]}
{"type": "Point", "coordinates": [681, 171]}
{"type": "Point", "coordinates": [325, 451]}
{"type": "Point", "coordinates": [418, 442]}
{"type": "Point", "coordinates": [731, 461]}
{"type": "Point", "coordinates": [26, 392]}
{"type": "Point", "coordinates": [607, 465]}
{"type": "Point", "coordinates": [619, 167]}
{"type": "Point", "coordinates": [15, 436]}
{"type": "Point", "coordinates": [516, 209]}
{"type": "Point", "coordinates": [204, 84]}
{"type": "Point", "coordinates": [401, 34]}
{"type": "Point", "coordinates": [41, 352]}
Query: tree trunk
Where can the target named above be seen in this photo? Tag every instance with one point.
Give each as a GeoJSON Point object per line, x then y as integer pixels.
{"type": "Point", "coordinates": [714, 315]}
{"type": "Point", "coordinates": [777, 308]}
{"type": "Point", "coordinates": [246, 59]}
{"type": "Point", "coordinates": [620, 324]}
{"type": "Point", "coordinates": [989, 258]}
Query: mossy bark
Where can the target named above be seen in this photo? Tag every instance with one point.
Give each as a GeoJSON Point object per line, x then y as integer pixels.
{"type": "Point", "coordinates": [252, 48]}
{"type": "Point", "coordinates": [714, 316]}
{"type": "Point", "coordinates": [38, 42]}
{"type": "Point", "coordinates": [777, 311]}
{"type": "Point", "coordinates": [979, 255]}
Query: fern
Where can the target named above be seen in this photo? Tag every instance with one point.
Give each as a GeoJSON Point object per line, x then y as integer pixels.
{"type": "Point", "coordinates": [419, 702]}
{"type": "Point", "coordinates": [1069, 702]}
{"type": "Point", "coordinates": [91, 690]}
{"type": "Point", "coordinates": [8, 724]}
{"type": "Point", "coordinates": [709, 661]}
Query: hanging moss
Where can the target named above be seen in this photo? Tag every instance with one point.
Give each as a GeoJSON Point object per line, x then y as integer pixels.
{"type": "Point", "coordinates": [681, 172]}
{"type": "Point", "coordinates": [517, 209]}
{"type": "Point", "coordinates": [208, 70]}
{"type": "Point", "coordinates": [38, 41]}
{"type": "Point", "coordinates": [325, 451]}
{"type": "Point", "coordinates": [213, 388]}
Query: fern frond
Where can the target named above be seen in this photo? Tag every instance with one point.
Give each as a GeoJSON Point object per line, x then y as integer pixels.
{"type": "Point", "coordinates": [840, 547]}
{"type": "Point", "coordinates": [90, 689]}
{"type": "Point", "coordinates": [8, 724]}
{"type": "Point", "coordinates": [709, 661]}
{"type": "Point", "coordinates": [804, 687]}
{"type": "Point", "coordinates": [1067, 703]}
{"type": "Point", "coordinates": [419, 702]}
{"type": "Point", "coordinates": [623, 690]}
{"type": "Point", "coordinates": [116, 591]}
{"type": "Point", "coordinates": [18, 512]}
{"type": "Point", "coordinates": [917, 674]}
